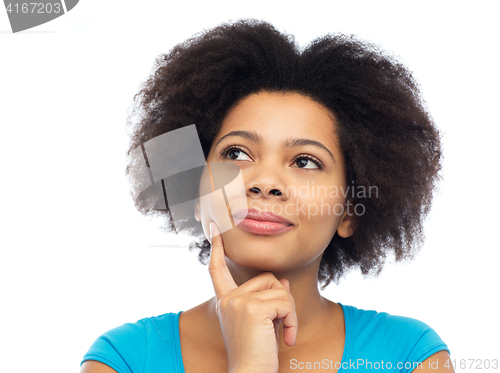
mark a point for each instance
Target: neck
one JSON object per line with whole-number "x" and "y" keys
{"x": 313, "y": 311}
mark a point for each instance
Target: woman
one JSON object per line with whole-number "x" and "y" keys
{"x": 339, "y": 160}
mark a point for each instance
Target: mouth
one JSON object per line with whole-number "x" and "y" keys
{"x": 262, "y": 222}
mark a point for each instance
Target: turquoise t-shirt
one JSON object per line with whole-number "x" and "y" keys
{"x": 373, "y": 341}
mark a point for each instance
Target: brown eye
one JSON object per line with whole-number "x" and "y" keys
{"x": 233, "y": 152}
{"x": 305, "y": 160}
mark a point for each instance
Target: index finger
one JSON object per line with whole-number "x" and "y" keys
{"x": 222, "y": 279}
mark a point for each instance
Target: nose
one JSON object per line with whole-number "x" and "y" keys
{"x": 276, "y": 192}
{"x": 267, "y": 183}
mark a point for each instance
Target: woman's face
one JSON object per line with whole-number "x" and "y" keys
{"x": 285, "y": 142}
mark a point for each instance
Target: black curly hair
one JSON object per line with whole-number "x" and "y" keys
{"x": 387, "y": 137}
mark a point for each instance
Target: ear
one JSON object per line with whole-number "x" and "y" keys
{"x": 349, "y": 221}
{"x": 197, "y": 213}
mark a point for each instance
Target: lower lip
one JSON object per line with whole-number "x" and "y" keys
{"x": 263, "y": 227}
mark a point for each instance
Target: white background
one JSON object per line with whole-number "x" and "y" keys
{"x": 77, "y": 259}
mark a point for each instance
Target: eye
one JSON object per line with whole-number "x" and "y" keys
{"x": 305, "y": 159}
{"x": 233, "y": 152}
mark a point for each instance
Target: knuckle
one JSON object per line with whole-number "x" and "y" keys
{"x": 284, "y": 294}
{"x": 288, "y": 304}
{"x": 244, "y": 306}
{"x": 224, "y": 303}
{"x": 270, "y": 275}
{"x": 234, "y": 303}
{"x": 252, "y": 307}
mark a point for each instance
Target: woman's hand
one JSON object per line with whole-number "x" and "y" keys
{"x": 250, "y": 315}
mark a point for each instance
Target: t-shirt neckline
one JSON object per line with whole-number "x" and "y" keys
{"x": 345, "y": 353}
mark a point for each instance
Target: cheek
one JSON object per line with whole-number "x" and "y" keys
{"x": 219, "y": 205}
{"x": 321, "y": 215}
{"x": 321, "y": 205}
{"x": 213, "y": 207}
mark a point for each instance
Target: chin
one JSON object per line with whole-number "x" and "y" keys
{"x": 260, "y": 260}
{"x": 260, "y": 267}
{"x": 261, "y": 253}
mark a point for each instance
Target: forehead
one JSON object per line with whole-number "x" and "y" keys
{"x": 277, "y": 116}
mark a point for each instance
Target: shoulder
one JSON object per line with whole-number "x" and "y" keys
{"x": 398, "y": 338}
{"x": 125, "y": 348}
{"x": 391, "y": 327}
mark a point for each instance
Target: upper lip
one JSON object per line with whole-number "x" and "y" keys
{"x": 261, "y": 216}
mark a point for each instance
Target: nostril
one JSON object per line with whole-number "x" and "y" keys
{"x": 276, "y": 192}
{"x": 256, "y": 190}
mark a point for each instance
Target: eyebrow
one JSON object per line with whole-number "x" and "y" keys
{"x": 288, "y": 143}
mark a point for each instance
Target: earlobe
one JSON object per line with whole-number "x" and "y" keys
{"x": 348, "y": 223}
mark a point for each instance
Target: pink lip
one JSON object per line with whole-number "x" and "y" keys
{"x": 262, "y": 222}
